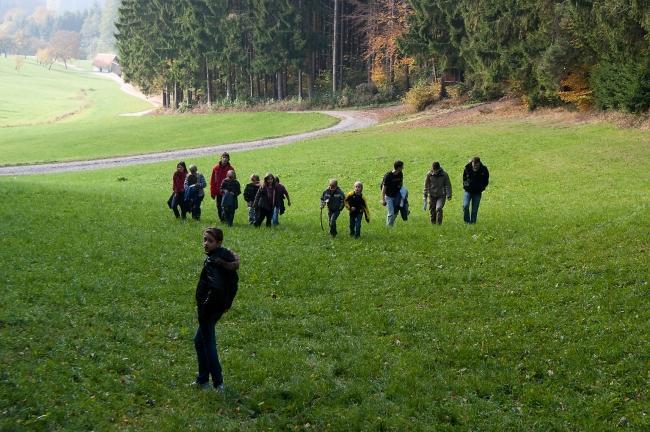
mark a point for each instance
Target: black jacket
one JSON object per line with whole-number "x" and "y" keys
{"x": 249, "y": 192}
{"x": 217, "y": 286}
{"x": 333, "y": 199}
{"x": 475, "y": 181}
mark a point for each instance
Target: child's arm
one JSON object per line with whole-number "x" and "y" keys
{"x": 366, "y": 212}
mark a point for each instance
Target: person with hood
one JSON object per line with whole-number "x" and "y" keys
{"x": 476, "y": 178}
{"x": 437, "y": 188}
{"x": 218, "y": 175}
{"x": 265, "y": 200}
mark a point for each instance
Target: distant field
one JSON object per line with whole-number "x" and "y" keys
{"x": 36, "y": 95}
{"x": 59, "y": 115}
{"x": 535, "y": 319}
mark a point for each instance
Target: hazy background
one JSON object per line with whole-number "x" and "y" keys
{"x": 87, "y": 27}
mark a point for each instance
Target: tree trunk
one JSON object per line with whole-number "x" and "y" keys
{"x": 189, "y": 97}
{"x": 334, "y": 45}
{"x": 299, "y": 84}
{"x": 408, "y": 78}
{"x": 229, "y": 83}
{"x": 433, "y": 65}
{"x": 208, "y": 90}
{"x": 266, "y": 85}
{"x": 278, "y": 85}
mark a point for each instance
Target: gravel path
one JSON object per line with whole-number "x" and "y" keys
{"x": 349, "y": 120}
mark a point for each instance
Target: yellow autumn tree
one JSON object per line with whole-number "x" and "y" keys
{"x": 575, "y": 89}
{"x": 384, "y": 21}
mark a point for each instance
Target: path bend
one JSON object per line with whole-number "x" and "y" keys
{"x": 349, "y": 120}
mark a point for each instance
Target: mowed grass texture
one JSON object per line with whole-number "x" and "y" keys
{"x": 534, "y": 319}
{"x": 53, "y": 115}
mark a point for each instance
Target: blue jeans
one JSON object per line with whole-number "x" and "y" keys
{"x": 178, "y": 202}
{"x": 475, "y": 199}
{"x": 205, "y": 343}
{"x": 276, "y": 216}
{"x": 251, "y": 215}
{"x": 332, "y": 215}
{"x": 355, "y": 224}
{"x": 391, "y": 204}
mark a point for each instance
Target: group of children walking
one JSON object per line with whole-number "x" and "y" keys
{"x": 265, "y": 198}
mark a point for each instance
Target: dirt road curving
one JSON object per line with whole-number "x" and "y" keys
{"x": 349, "y": 120}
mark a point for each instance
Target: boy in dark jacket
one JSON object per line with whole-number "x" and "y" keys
{"x": 356, "y": 204}
{"x": 475, "y": 179}
{"x": 332, "y": 197}
{"x": 249, "y": 196}
{"x": 215, "y": 292}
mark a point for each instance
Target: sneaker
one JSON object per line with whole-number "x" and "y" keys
{"x": 200, "y": 386}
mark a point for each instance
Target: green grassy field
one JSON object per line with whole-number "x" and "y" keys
{"x": 49, "y": 116}
{"x": 534, "y": 319}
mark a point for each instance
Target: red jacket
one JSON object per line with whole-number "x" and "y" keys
{"x": 178, "y": 182}
{"x": 218, "y": 174}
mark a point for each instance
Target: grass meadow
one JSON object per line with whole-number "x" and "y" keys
{"x": 62, "y": 115}
{"x": 535, "y": 319}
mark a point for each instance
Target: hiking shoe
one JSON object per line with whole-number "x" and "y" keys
{"x": 200, "y": 386}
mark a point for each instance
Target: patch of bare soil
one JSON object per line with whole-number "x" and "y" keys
{"x": 448, "y": 114}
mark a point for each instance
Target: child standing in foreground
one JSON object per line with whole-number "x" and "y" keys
{"x": 356, "y": 204}
{"x": 249, "y": 196}
{"x": 215, "y": 292}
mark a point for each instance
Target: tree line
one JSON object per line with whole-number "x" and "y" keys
{"x": 253, "y": 49}
{"x": 585, "y": 52}
{"x": 579, "y": 51}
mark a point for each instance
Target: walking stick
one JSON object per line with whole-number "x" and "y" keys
{"x": 321, "y": 218}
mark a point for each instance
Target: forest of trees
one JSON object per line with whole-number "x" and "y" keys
{"x": 585, "y": 52}
{"x": 579, "y": 51}
{"x": 257, "y": 49}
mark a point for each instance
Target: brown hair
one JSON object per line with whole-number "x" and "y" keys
{"x": 216, "y": 233}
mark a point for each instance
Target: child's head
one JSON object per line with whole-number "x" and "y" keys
{"x": 358, "y": 187}
{"x": 212, "y": 239}
{"x": 231, "y": 175}
{"x": 193, "y": 169}
{"x": 333, "y": 184}
{"x": 255, "y": 178}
